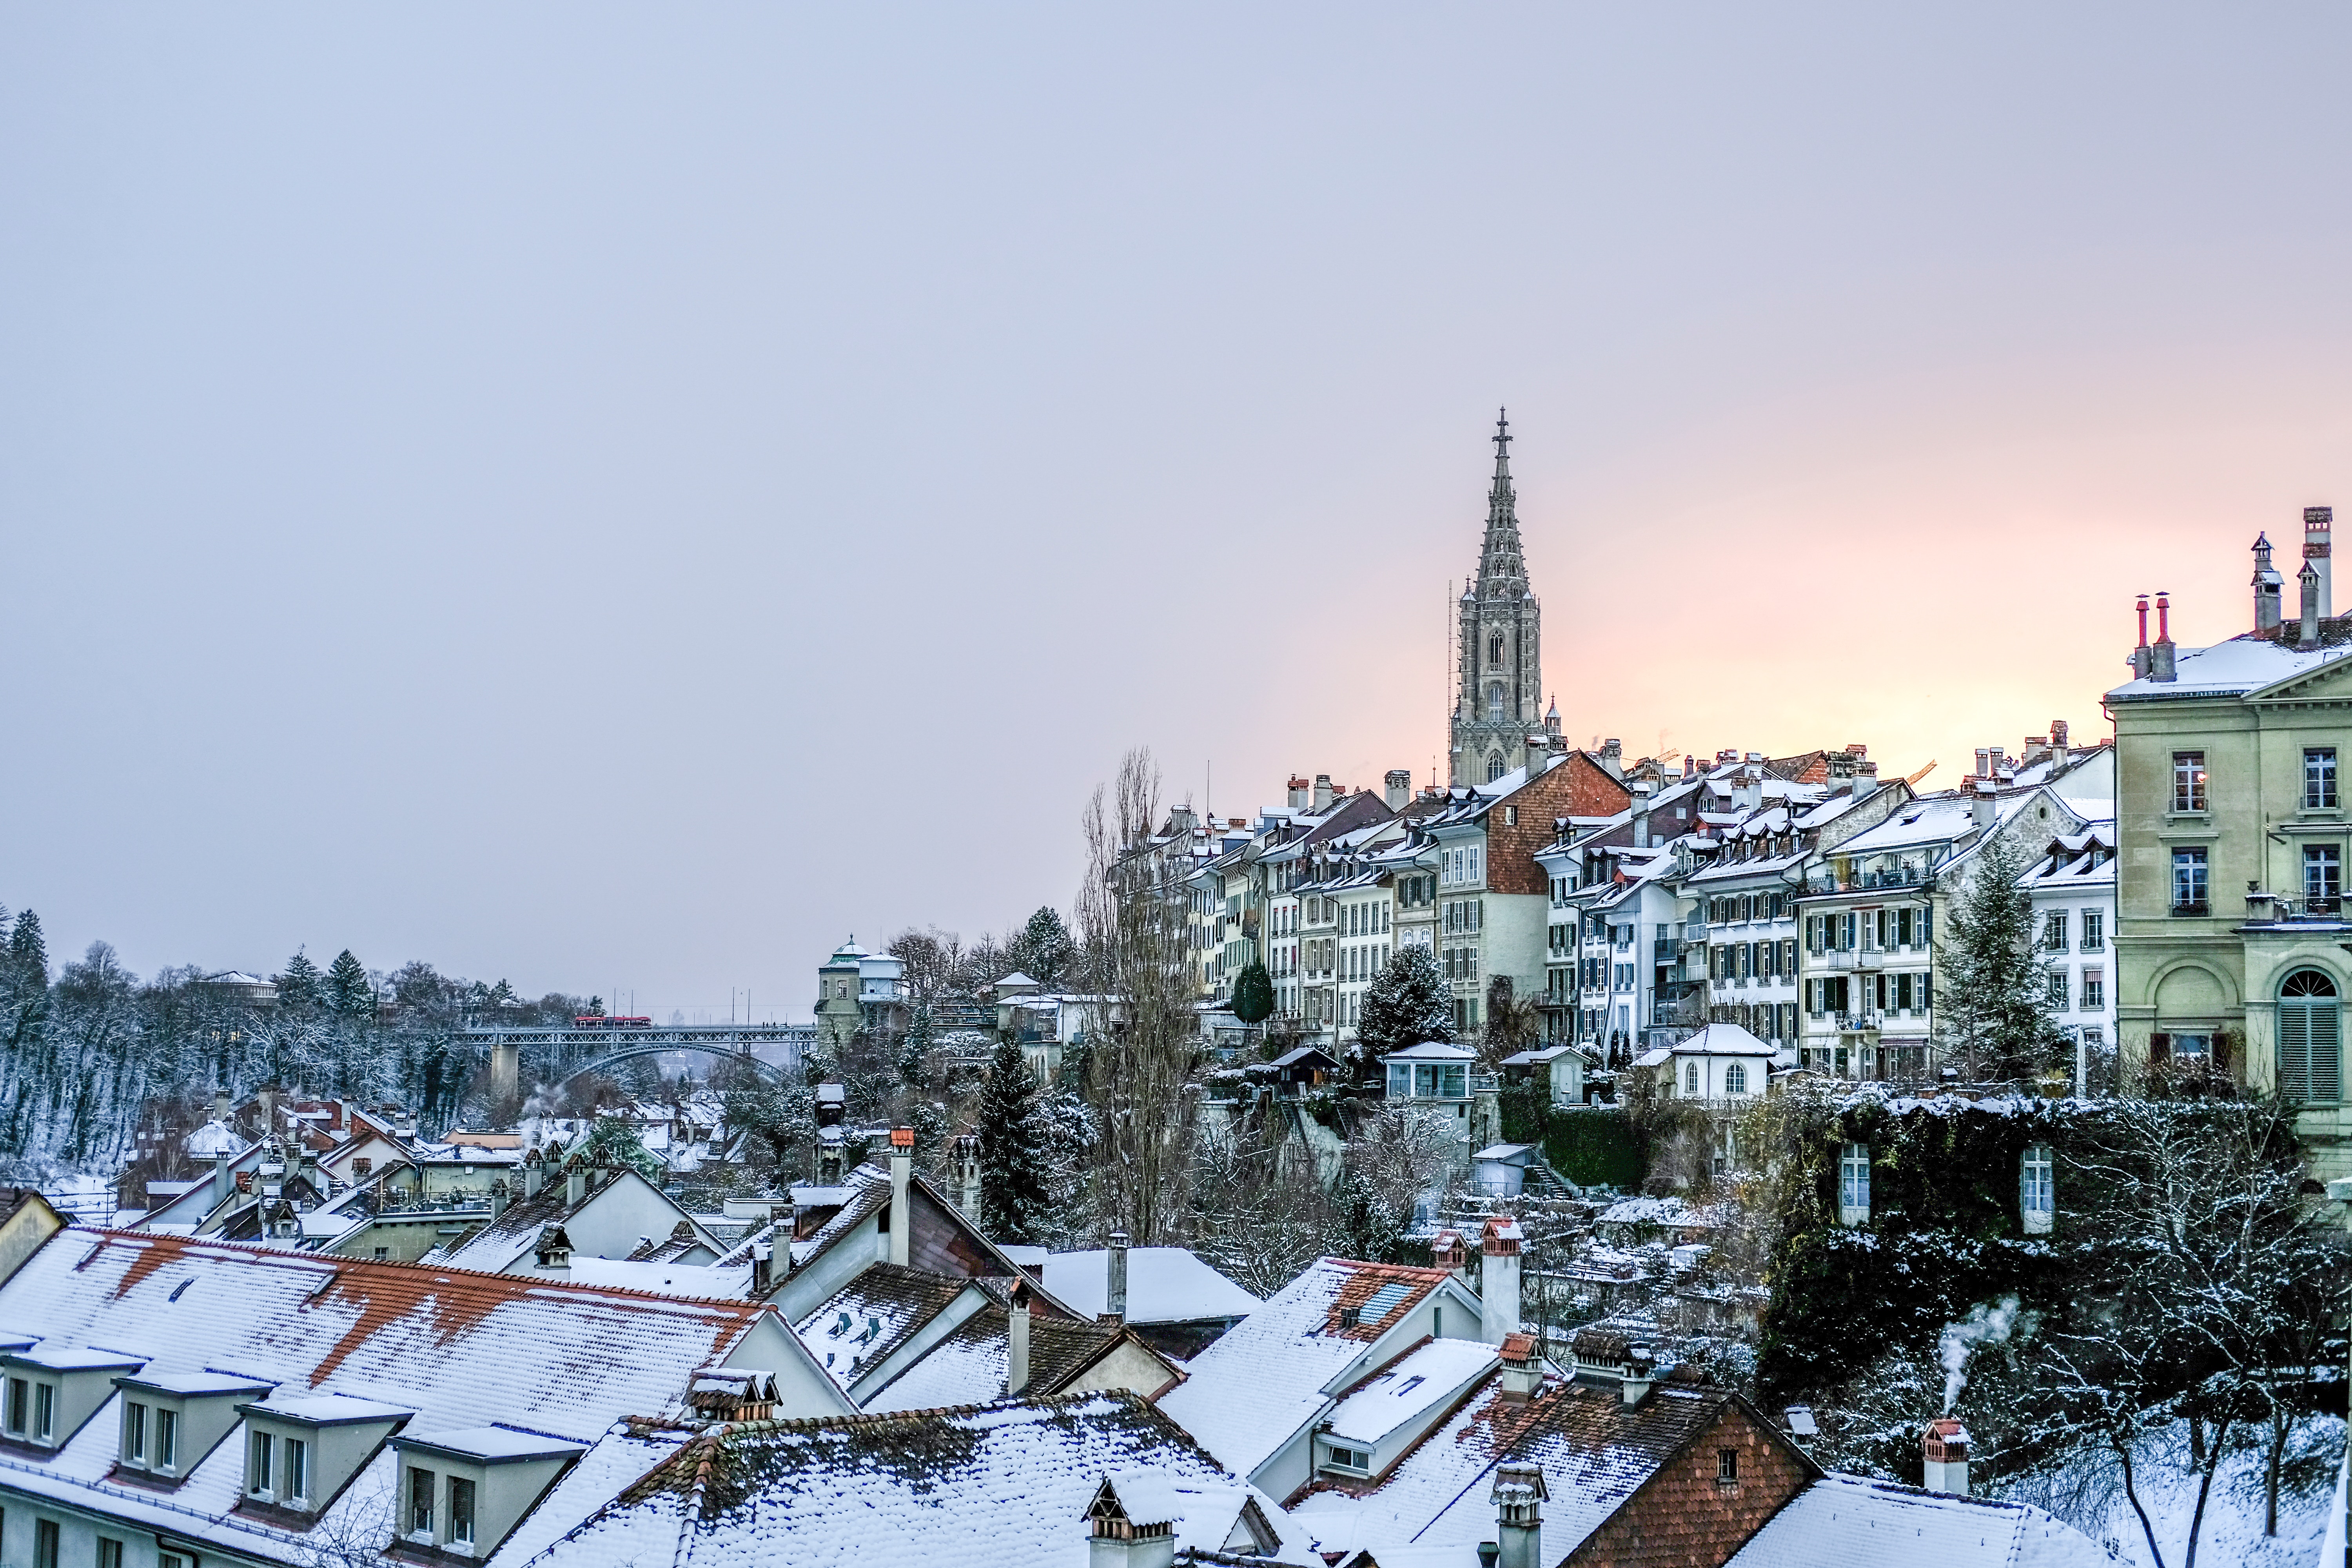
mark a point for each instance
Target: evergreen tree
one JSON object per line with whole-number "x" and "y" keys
{"x": 301, "y": 985}
{"x": 28, "y": 951}
{"x": 1406, "y": 1004}
{"x": 348, "y": 991}
{"x": 1995, "y": 1003}
{"x": 1045, "y": 948}
{"x": 1253, "y": 995}
{"x": 1016, "y": 1162}
{"x": 915, "y": 1050}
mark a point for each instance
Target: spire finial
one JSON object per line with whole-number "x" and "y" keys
{"x": 1502, "y": 439}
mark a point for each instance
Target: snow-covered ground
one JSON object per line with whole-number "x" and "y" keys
{"x": 2092, "y": 1498}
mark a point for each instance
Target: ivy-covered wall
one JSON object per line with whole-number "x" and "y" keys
{"x": 1945, "y": 1233}
{"x": 1591, "y": 1146}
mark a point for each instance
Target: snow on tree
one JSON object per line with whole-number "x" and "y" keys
{"x": 28, "y": 954}
{"x": 348, "y": 992}
{"x": 301, "y": 985}
{"x": 1016, "y": 1158}
{"x": 1994, "y": 1002}
{"x": 1407, "y": 1003}
{"x": 1253, "y": 995}
{"x": 1045, "y": 948}
{"x": 915, "y": 1049}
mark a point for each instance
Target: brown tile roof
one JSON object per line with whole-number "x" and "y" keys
{"x": 1365, "y": 1282}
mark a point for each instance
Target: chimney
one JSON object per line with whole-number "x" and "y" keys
{"x": 1613, "y": 757}
{"x": 221, "y": 1106}
{"x": 2309, "y": 582}
{"x": 2163, "y": 651}
{"x": 222, "y": 1182}
{"x": 1499, "y": 1280}
{"x": 1322, "y": 791}
{"x": 1519, "y": 1496}
{"x": 498, "y": 1197}
{"x": 534, "y": 1173}
{"x": 1114, "y": 1292}
{"x": 1449, "y": 1252}
{"x": 967, "y": 1158}
{"x": 828, "y": 1151}
{"x": 1016, "y": 1342}
{"x": 1299, "y": 793}
{"x": 2142, "y": 659}
{"x": 902, "y": 1175}
{"x": 1946, "y": 1450}
{"x": 1539, "y": 749}
{"x": 763, "y": 1268}
{"x": 1641, "y": 809}
{"x": 2268, "y": 587}
{"x": 2058, "y": 739}
{"x": 1397, "y": 788}
{"x": 2317, "y": 521}
{"x": 1690, "y": 766}
{"x": 1984, "y": 805}
{"x": 575, "y": 1184}
{"x": 1522, "y": 1370}
{"x": 554, "y": 1250}
{"x": 1641, "y": 1374}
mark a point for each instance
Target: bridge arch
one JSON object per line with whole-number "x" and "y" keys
{"x": 775, "y": 1074}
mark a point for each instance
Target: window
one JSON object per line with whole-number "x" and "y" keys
{"x": 134, "y": 1431}
{"x": 45, "y": 1410}
{"x": 2036, "y": 1199}
{"x": 1690, "y": 1078}
{"x": 257, "y": 1466}
{"x": 420, "y": 1503}
{"x": 1727, "y": 1464}
{"x": 461, "y": 1510}
{"x": 1735, "y": 1080}
{"x": 110, "y": 1552}
{"x": 2189, "y": 881}
{"x": 1494, "y": 648}
{"x": 2053, "y": 931}
{"x": 362, "y": 1167}
{"x": 1495, "y": 768}
{"x": 2322, "y": 873}
{"x": 2053, "y": 989}
{"x": 2095, "y": 930}
{"x": 1853, "y": 1184}
{"x": 167, "y": 1439}
{"x": 298, "y": 1470}
{"x": 2319, "y": 778}
{"x": 2187, "y": 781}
{"x": 2095, "y": 990}
{"x": 19, "y": 1392}
{"x": 2311, "y": 1043}
{"x": 171, "y": 1560}
{"x": 1359, "y": 1460}
{"x": 45, "y": 1543}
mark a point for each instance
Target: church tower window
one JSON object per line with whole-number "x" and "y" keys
{"x": 1495, "y": 768}
{"x": 1493, "y": 648}
{"x": 1494, "y": 703}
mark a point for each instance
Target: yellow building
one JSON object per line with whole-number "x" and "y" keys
{"x": 2231, "y": 939}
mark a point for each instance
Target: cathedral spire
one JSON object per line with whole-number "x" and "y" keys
{"x": 1499, "y": 685}
{"x": 1502, "y": 573}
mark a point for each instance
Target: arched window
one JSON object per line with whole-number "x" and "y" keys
{"x": 1494, "y": 703}
{"x": 1493, "y": 648}
{"x": 1735, "y": 1080}
{"x": 1495, "y": 768}
{"x": 1690, "y": 1078}
{"x": 1854, "y": 1185}
{"x": 2311, "y": 1038}
{"x": 2037, "y": 1199}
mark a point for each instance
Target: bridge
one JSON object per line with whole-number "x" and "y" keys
{"x": 559, "y": 1045}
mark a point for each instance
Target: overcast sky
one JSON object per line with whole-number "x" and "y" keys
{"x": 623, "y": 497}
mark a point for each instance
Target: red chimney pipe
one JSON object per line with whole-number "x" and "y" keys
{"x": 2163, "y": 616}
{"x": 2143, "y": 620}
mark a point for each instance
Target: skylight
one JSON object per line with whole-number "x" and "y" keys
{"x": 1384, "y": 1301}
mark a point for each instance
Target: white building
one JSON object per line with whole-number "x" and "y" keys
{"x": 2073, "y": 889}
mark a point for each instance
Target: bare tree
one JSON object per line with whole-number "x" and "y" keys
{"x": 1134, "y": 935}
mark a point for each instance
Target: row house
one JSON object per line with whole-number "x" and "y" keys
{"x": 2074, "y": 892}
{"x": 1258, "y": 894}
{"x": 1874, "y": 906}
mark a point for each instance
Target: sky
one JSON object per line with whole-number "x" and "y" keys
{"x": 620, "y": 498}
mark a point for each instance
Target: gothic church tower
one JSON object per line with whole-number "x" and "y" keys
{"x": 1499, "y": 690}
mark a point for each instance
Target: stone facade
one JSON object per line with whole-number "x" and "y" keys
{"x": 1498, "y": 694}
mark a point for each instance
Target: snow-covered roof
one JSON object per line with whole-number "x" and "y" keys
{"x": 1164, "y": 1285}
{"x": 706, "y": 1282}
{"x": 1711, "y": 1040}
{"x": 967, "y": 1367}
{"x": 1409, "y": 1388}
{"x": 1249, "y": 1393}
{"x": 1008, "y": 1482}
{"x": 1432, "y": 1051}
{"x": 859, "y": 1325}
{"x": 212, "y": 1140}
{"x": 1847, "y": 1522}
{"x": 2243, "y": 664}
{"x": 1670, "y": 1212}
{"x": 1509, "y": 1153}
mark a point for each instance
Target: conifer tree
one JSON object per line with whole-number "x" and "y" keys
{"x": 1995, "y": 1001}
{"x": 1045, "y": 947}
{"x": 1014, "y": 1159}
{"x": 1406, "y": 1004}
{"x": 301, "y": 985}
{"x": 348, "y": 991}
{"x": 915, "y": 1050}
{"x": 1253, "y": 995}
{"x": 26, "y": 949}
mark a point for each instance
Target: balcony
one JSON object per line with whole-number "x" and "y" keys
{"x": 2267, "y": 908}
